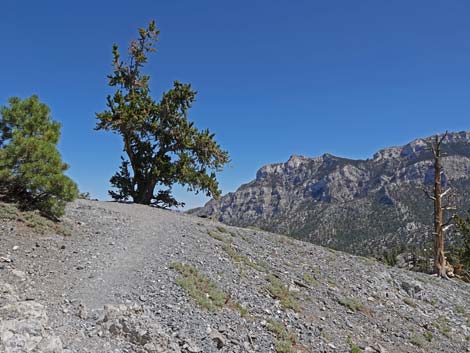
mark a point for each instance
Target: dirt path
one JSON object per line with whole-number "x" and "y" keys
{"x": 119, "y": 255}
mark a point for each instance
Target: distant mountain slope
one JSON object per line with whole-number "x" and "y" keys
{"x": 360, "y": 206}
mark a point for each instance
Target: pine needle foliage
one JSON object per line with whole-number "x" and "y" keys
{"x": 163, "y": 147}
{"x": 31, "y": 168}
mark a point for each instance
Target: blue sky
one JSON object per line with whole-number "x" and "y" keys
{"x": 275, "y": 78}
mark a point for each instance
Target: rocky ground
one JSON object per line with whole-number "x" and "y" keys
{"x": 132, "y": 278}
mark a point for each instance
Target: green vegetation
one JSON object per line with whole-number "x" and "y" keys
{"x": 283, "y": 346}
{"x": 354, "y": 348}
{"x": 409, "y": 302}
{"x": 240, "y": 259}
{"x": 428, "y": 336}
{"x": 281, "y": 292}
{"x": 460, "y": 253}
{"x": 199, "y": 287}
{"x": 241, "y": 309}
{"x": 277, "y": 328}
{"x": 31, "y": 219}
{"x": 309, "y": 279}
{"x": 285, "y": 339}
{"x": 221, "y": 229}
{"x": 442, "y": 325}
{"x": 163, "y": 147}
{"x": 31, "y": 168}
{"x": 216, "y": 235}
{"x": 417, "y": 340}
{"x": 460, "y": 309}
{"x": 352, "y": 304}
{"x": 418, "y": 255}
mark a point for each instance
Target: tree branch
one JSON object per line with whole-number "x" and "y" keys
{"x": 445, "y": 192}
{"x": 426, "y": 192}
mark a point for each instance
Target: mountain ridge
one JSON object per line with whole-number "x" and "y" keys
{"x": 349, "y": 204}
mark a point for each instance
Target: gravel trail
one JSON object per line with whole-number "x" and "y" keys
{"x": 109, "y": 287}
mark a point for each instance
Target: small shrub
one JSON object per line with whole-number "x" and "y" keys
{"x": 428, "y": 336}
{"x": 221, "y": 229}
{"x": 279, "y": 291}
{"x": 442, "y": 325}
{"x": 264, "y": 265}
{"x": 241, "y": 309}
{"x": 351, "y": 303}
{"x": 216, "y": 235}
{"x": 199, "y": 287}
{"x": 309, "y": 279}
{"x": 240, "y": 259}
{"x": 354, "y": 348}
{"x": 409, "y": 302}
{"x": 283, "y": 346}
{"x": 31, "y": 219}
{"x": 285, "y": 339}
{"x": 277, "y": 328}
{"x": 417, "y": 341}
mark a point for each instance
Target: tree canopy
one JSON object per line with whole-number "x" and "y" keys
{"x": 31, "y": 168}
{"x": 163, "y": 147}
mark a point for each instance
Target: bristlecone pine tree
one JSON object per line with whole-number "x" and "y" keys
{"x": 163, "y": 148}
{"x": 440, "y": 225}
{"x": 31, "y": 168}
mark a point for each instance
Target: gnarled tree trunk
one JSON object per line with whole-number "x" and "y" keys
{"x": 439, "y": 258}
{"x": 440, "y": 226}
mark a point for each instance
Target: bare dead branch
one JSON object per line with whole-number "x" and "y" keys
{"x": 445, "y": 192}
{"x": 444, "y": 228}
{"x": 426, "y": 192}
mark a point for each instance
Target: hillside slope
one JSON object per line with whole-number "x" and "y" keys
{"x": 359, "y": 206}
{"x": 121, "y": 282}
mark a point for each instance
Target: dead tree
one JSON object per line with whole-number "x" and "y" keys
{"x": 440, "y": 226}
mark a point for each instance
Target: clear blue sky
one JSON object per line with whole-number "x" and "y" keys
{"x": 275, "y": 78}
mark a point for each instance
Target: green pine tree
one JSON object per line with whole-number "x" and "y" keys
{"x": 31, "y": 168}
{"x": 463, "y": 250}
{"x": 163, "y": 147}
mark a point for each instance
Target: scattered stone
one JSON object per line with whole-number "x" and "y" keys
{"x": 218, "y": 339}
{"x": 50, "y": 344}
{"x": 82, "y": 311}
{"x": 20, "y": 274}
{"x": 142, "y": 298}
{"x": 250, "y": 320}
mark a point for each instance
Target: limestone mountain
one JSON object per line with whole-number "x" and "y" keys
{"x": 360, "y": 206}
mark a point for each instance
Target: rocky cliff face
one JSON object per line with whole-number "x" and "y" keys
{"x": 361, "y": 206}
